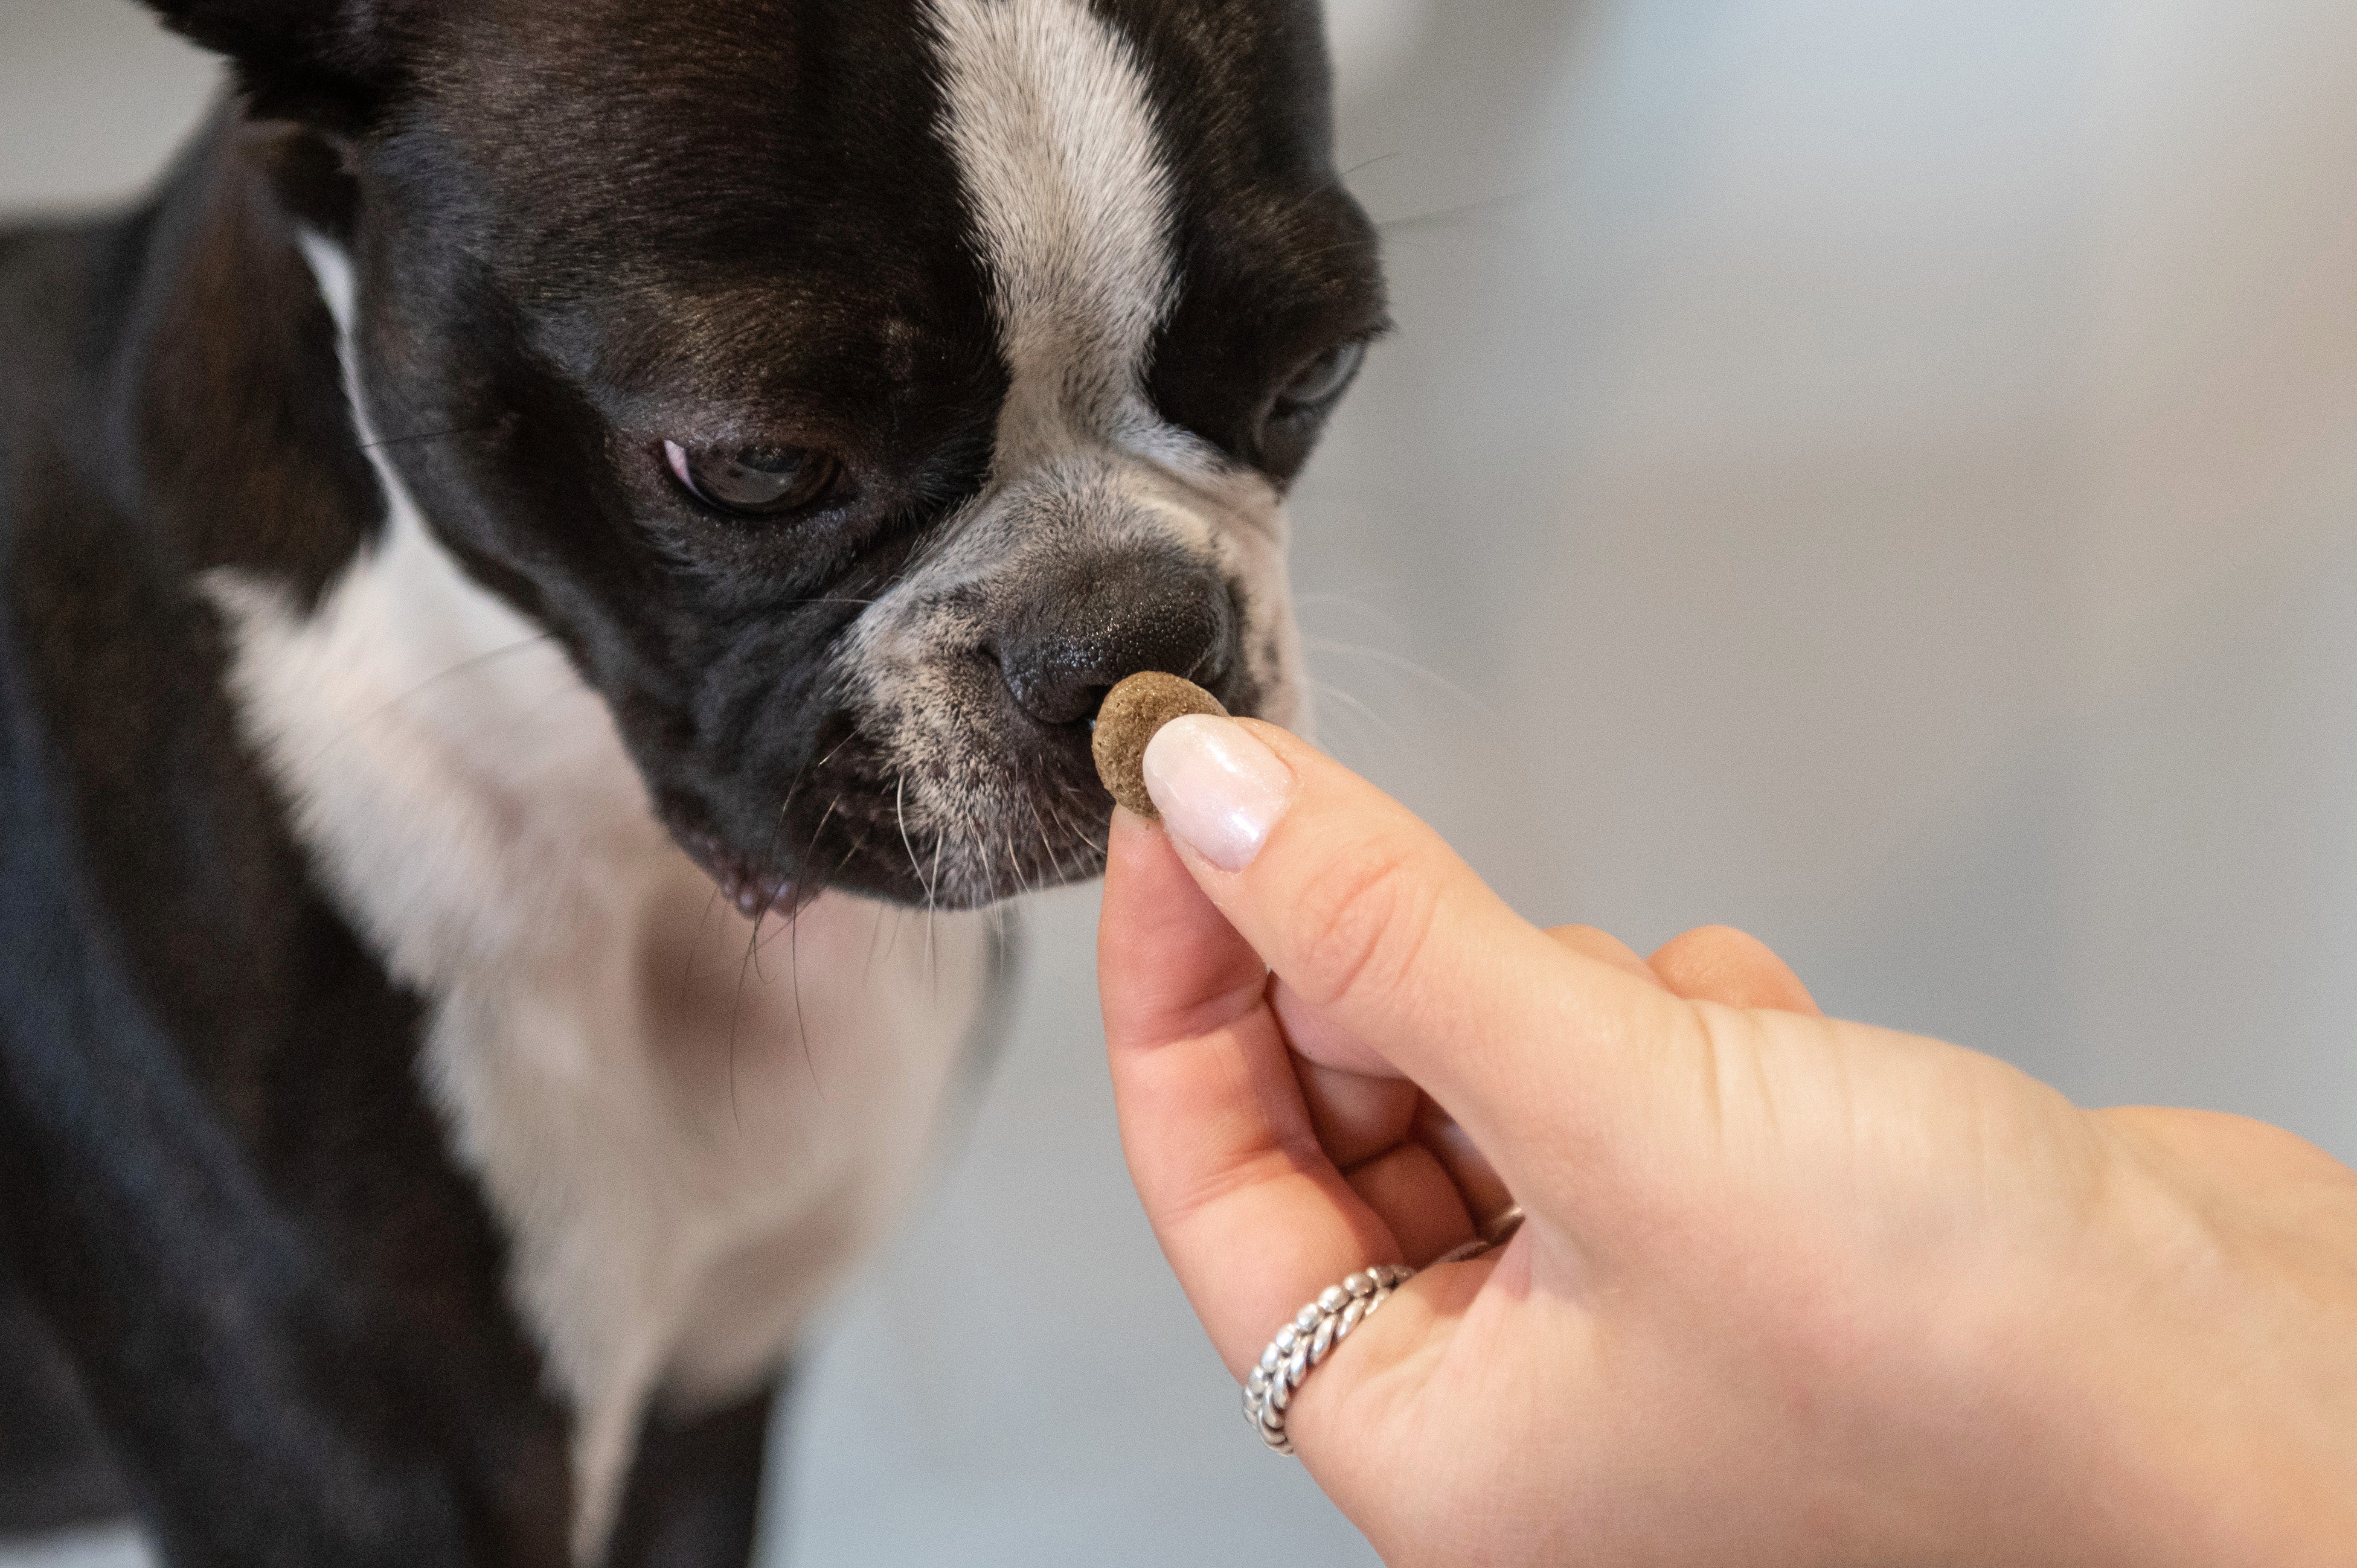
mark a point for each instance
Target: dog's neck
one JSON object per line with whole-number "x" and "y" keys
{"x": 462, "y": 789}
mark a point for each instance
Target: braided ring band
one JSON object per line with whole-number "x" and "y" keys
{"x": 1304, "y": 1342}
{"x": 1325, "y": 1323}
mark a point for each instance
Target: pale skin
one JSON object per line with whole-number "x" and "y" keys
{"x": 1791, "y": 1291}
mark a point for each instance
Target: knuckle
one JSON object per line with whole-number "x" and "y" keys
{"x": 1708, "y": 953}
{"x": 1714, "y": 940}
{"x": 1364, "y": 918}
{"x": 1204, "y": 1192}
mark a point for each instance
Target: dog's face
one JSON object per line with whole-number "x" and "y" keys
{"x": 858, "y": 387}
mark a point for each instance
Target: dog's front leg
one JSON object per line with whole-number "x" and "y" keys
{"x": 223, "y": 1369}
{"x": 695, "y": 1489}
{"x": 261, "y": 1418}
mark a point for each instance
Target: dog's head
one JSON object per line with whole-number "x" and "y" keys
{"x": 856, "y": 388}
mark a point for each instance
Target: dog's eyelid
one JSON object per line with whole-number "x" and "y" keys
{"x": 755, "y": 481}
{"x": 1318, "y": 383}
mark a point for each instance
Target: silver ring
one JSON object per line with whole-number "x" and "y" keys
{"x": 1325, "y": 1323}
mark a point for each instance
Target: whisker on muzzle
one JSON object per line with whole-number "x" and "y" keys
{"x": 932, "y": 884}
{"x": 1046, "y": 845}
{"x": 1383, "y": 656}
{"x": 794, "y": 944}
{"x": 1322, "y": 688}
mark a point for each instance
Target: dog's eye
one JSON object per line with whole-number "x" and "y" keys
{"x": 1322, "y": 380}
{"x": 754, "y": 482}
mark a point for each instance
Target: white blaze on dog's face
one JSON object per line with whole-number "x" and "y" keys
{"x": 1106, "y": 539}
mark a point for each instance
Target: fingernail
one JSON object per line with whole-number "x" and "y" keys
{"x": 1219, "y": 789}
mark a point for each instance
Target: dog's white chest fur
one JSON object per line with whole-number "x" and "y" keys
{"x": 687, "y": 1150}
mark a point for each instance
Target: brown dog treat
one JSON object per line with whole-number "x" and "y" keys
{"x": 1133, "y": 713}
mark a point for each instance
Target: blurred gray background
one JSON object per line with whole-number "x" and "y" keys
{"x": 1880, "y": 474}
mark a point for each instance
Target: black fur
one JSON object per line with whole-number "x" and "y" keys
{"x": 244, "y": 1289}
{"x": 54, "y": 1468}
{"x": 224, "y": 1192}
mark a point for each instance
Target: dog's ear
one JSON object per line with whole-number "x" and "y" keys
{"x": 326, "y": 63}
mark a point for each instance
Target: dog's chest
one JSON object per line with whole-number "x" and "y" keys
{"x": 688, "y": 1133}
{"x": 687, "y": 1169}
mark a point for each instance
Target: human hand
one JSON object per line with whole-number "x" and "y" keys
{"x": 1791, "y": 1290}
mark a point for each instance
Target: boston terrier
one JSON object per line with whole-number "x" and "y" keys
{"x": 548, "y": 579}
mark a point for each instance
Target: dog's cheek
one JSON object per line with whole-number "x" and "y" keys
{"x": 916, "y": 702}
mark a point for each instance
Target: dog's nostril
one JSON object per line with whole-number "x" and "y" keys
{"x": 1084, "y": 632}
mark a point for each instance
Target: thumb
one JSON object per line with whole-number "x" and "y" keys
{"x": 1365, "y": 914}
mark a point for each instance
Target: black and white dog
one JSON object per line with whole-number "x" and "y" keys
{"x": 532, "y": 461}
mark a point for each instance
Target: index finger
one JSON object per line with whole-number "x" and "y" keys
{"x": 1548, "y": 1057}
{"x": 1251, "y": 1213}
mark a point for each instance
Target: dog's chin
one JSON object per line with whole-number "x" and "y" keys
{"x": 738, "y": 875}
{"x": 863, "y": 850}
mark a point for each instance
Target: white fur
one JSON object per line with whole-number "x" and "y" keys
{"x": 1069, "y": 183}
{"x": 683, "y": 1167}
{"x": 1064, "y": 175}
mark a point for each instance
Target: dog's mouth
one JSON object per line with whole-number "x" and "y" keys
{"x": 933, "y": 874}
{"x": 755, "y": 892}
{"x": 1035, "y": 826}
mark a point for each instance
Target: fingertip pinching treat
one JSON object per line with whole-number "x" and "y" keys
{"x": 1134, "y": 712}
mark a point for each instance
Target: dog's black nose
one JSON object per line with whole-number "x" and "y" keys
{"x": 1096, "y": 623}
